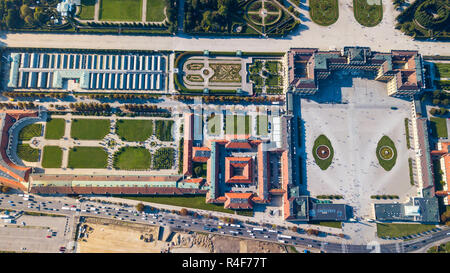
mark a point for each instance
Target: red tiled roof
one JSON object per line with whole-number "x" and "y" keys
{"x": 115, "y": 190}
{"x": 238, "y": 145}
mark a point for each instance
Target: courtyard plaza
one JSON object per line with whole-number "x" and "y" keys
{"x": 354, "y": 126}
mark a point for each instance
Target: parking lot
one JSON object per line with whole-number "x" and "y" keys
{"x": 42, "y": 234}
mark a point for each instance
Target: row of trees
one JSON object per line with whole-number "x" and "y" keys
{"x": 330, "y": 197}
{"x": 238, "y": 99}
{"x": 34, "y": 95}
{"x": 89, "y": 107}
{"x": 209, "y": 15}
{"x": 143, "y": 108}
{"x": 20, "y": 105}
{"x": 126, "y": 24}
{"x": 384, "y": 196}
{"x": 121, "y": 96}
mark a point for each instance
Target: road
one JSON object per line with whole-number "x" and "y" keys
{"x": 72, "y": 207}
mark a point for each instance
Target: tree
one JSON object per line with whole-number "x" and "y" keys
{"x": 12, "y": 19}
{"x": 140, "y": 207}
{"x": 184, "y": 212}
{"x": 4, "y": 189}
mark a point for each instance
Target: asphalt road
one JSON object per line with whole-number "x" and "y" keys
{"x": 71, "y": 207}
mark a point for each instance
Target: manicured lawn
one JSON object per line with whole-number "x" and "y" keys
{"x": 247, "y": 125}
{"x": 90, "y": 129}
{"x": 132, "y": 158}
{"x": 87, "y": 157}
{"x": 439, "y": 127}
{"x": 155, "y": 10}
{"x": 87, "y": 10}
{"x": 261, "y": 125}
{"x": 328, "y": 224}
{"x": 52, "y": 157}
{"x": 400, "y": 230}
{"x": 30, "y": 131}
{"x": 324, "y": 12}
{"x": 195, "y": 202}
{"x": 163, "y": 158}
{"x": 367, "y": 15}
{"x": 120, "y": 10}
{"x": 163, "y": 130}
{"x": 134, "y": 130}
{"x": 323, "y": 163}
{"x": 54, "y": 129}
{"x": 442, "y": 70}
{"x": 386, "y": 164}
{"x": 25, "y": 152}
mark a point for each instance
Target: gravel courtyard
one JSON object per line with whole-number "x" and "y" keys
{"x": 354, "y": 128}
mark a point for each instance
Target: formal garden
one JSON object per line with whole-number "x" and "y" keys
{"x": 386, "y": 153}
{"x": 323, "y": 152}
{"x": 163, "y": 130}
{"x": 225, "y": 72}
{"x": 115, "y": 17}
{"x": 132, "y": 158}
{"x": 27, "y": 153}
{"x": 324, "y": 12}
{"x": 87, "y": 157}
{"x": 134, "y": 130}
{"x": 425, "y": 19}
{"x": 163, "y": 158}
{"x": 238, "y": 17}
{"x": 52, "y": 157}
{"x": 266, "y": 74}
{"x": 368, "y": 13}
{"x": 89, "y": 129}
{"x": 54, "y": 128}
{"x": 30, "y": 131}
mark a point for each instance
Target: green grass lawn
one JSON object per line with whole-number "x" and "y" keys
{"x": 328, "y": 224}
{"x": 386, "y": 164}
{"x": 261, "y": 125}
{"x": 324, "y": 12}
{"x": 25, "y": 152}
{"x": 439, "y": 127}
{"x": 87, "y": 10}
{"x": 367, "y": 15}
{"x": 163, "y": 130}
{"x": 247, "y": 125}
{"x": 400, "y": 230}
{"x": 442, "y": 70}
{"x": 120, "y": 10}
{"x": 132, "y": 158}
{"x": 90, "y": 129}
{"x": 323, "y": 163}
{"x": 54, "y": 128}
{"x": 155, "y": 10}
{"x": 30, "y": 131}
{"x": 195, "y": 202}
{"x": 163, "y": 158}
{"x": 52, "y": 157}
{"x": 87, "y": 157}
{"x": 134, "y": 130}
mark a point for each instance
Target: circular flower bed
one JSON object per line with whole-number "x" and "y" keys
{"x": 386, "y": 153}
{"x": 323, "y": 152}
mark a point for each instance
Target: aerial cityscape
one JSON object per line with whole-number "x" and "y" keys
{"x": 224, "y": 126}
